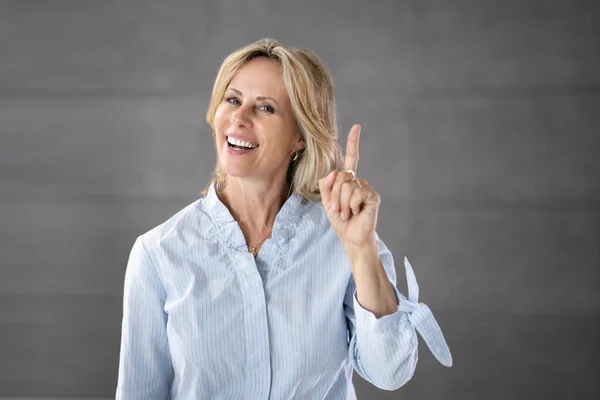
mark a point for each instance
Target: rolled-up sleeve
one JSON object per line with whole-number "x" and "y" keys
{"x": 384, "y": 350}
{"x": 145, "y": 369}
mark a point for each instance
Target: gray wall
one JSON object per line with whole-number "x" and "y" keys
{"x": 480, "y": 130}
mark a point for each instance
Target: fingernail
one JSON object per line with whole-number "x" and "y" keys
{"x": 332, "y": 206}
{"x": 344, "y": 216}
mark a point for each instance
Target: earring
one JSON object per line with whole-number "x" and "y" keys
{"x": 295, "y": 157}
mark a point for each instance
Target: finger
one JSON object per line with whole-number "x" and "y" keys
{"x": 351, "y": 159}
{"x": 325, "y": 187}
{"x": 334, "y": 201}
{"x": 348, "y": 188}
{"x": 358, "y": 198}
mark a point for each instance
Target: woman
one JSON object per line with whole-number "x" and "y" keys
{"x": 275, "y": 283}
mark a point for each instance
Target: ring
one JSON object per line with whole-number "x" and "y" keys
{"x": 351, "y": 172}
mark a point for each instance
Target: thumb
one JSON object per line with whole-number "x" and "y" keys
{"x": 326, "y": 186}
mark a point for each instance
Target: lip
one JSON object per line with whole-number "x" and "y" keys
{"x": 242, "y": 138}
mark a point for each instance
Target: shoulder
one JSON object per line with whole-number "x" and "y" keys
{"x": 313, "y": 221}
{"x": 176, "y": 228}
{"x": 311, "y": 212}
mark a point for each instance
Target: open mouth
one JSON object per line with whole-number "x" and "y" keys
{"x": 240, "y": 144}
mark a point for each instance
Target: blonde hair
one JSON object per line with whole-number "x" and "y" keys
{"x": 310, "y": 89}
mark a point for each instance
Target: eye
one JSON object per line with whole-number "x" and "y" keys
{"x": 267, "y": 108}
{"x": 232, "y": 100}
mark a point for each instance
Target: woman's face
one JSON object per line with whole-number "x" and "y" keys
{"x": 255, "y": 130}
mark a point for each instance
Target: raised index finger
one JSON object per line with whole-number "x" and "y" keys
{"x": 351, "y": 159}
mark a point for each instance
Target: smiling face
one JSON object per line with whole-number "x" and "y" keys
{"x": 255, "y": 130}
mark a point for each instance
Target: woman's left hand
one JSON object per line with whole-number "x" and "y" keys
{"x": 350, "y": 202}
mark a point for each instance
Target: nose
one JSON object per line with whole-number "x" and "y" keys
{"x": 241, "y": 117}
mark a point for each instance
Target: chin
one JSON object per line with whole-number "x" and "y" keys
{"x": 235, "y": 171}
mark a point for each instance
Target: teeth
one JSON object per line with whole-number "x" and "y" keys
{"x": 241, "y": 143}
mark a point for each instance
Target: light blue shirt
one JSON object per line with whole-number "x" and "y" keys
{"x": 202, "y": 319}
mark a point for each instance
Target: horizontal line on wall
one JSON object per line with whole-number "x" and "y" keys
{"x": 450, "y": 313}
{"x": 65, "y": 295}
{"x": 510, "y": 92}
{"x": 406, "y": 93}
{"x": 8, "y": 93}
{"x": 517, "y": 205}
{"x": 95, "y": 197}
{"x": 61, "y": 194}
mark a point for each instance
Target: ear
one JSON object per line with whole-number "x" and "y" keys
{"x": 300, "y": 143}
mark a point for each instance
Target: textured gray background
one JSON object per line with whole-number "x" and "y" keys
{"x": 480, "y": 130}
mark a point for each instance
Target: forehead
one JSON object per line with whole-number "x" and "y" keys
{"x": 260, "y": 76}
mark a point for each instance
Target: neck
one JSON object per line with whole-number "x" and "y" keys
{"x": 254, "y": 205}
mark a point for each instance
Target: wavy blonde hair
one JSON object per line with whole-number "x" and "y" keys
{"x": 310, "y": 89}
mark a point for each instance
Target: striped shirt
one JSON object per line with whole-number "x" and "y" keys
{"x": 203, "y": 319}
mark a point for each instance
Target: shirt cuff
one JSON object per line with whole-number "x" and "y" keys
{"x": 370, "y": 323}
{"x": 419, "y": 315}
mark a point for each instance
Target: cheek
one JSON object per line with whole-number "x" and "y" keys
{"x": 219, "y": 122}
{"x": 221, "y": 118}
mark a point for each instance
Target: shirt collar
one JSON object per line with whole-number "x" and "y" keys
{"x": 285, "y": 221}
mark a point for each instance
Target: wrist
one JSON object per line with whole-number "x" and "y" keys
{"x": 357, "y": 254}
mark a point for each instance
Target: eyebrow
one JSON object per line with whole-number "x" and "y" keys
{"x": 257, "y": 97}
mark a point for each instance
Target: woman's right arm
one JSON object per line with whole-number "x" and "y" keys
{"x": 145, "y": 369}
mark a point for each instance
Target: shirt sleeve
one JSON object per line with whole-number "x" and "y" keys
{"x": 384, "y": 350}
{"x": 145, "y": 369}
